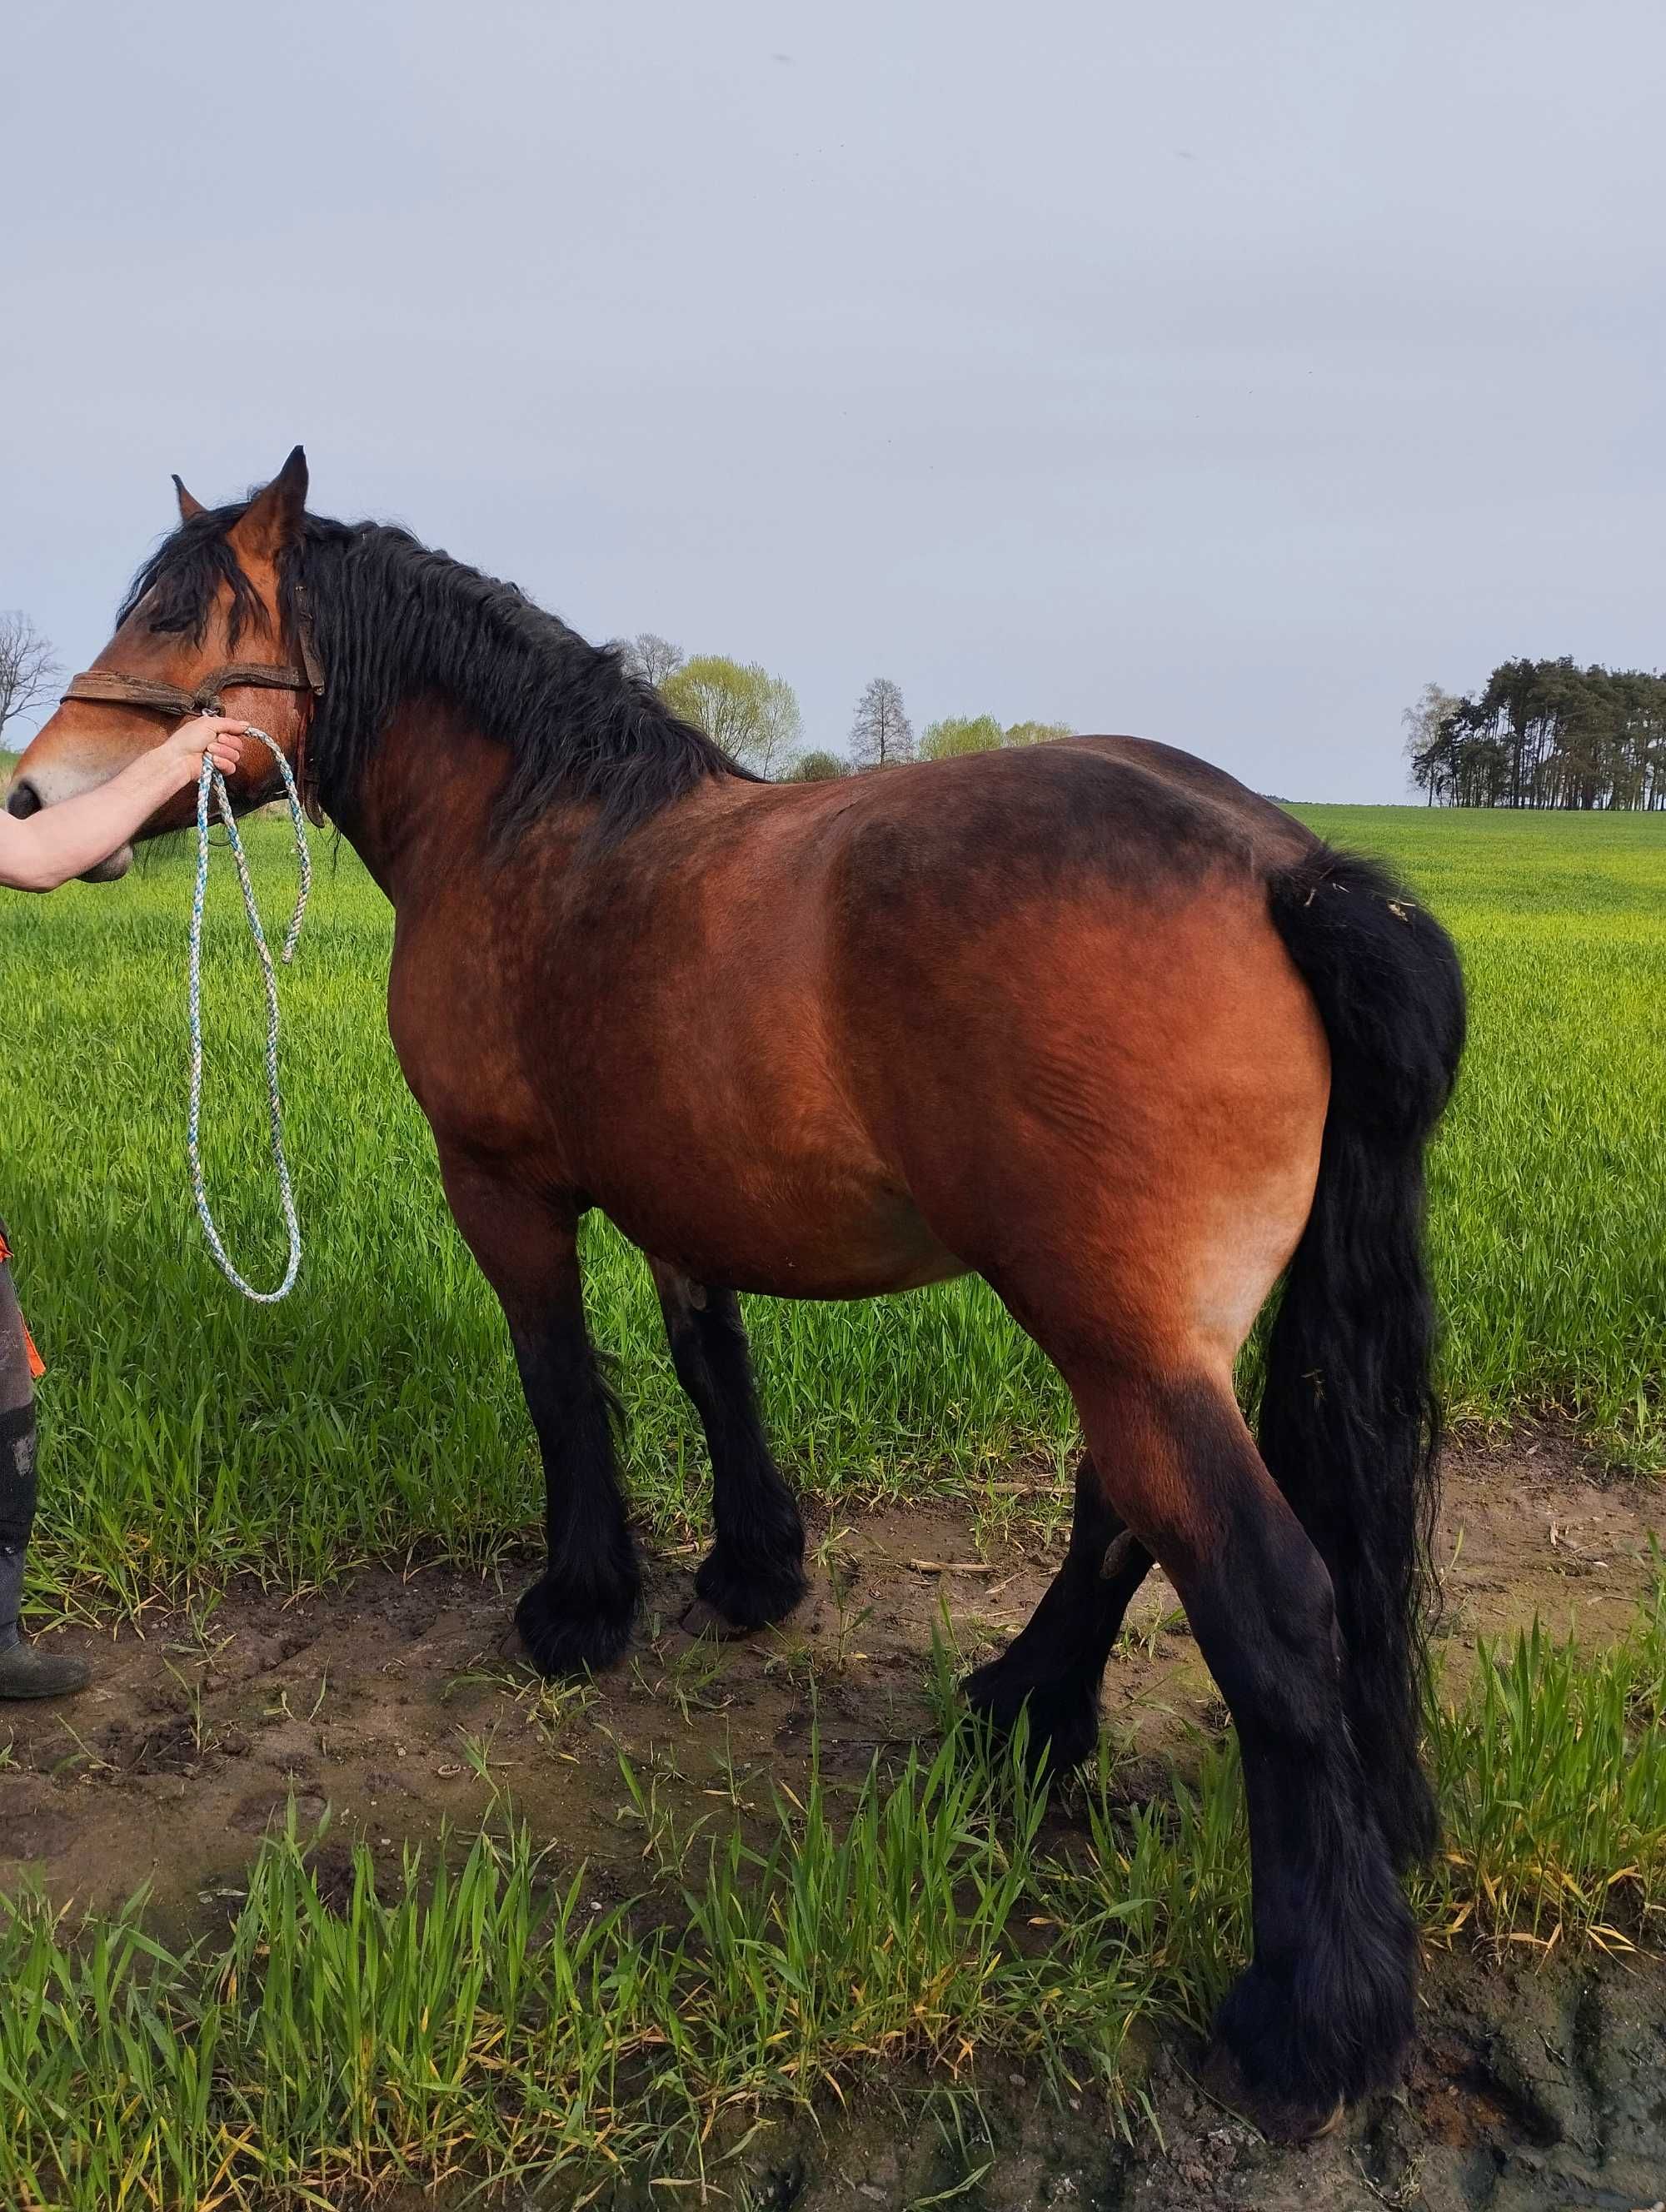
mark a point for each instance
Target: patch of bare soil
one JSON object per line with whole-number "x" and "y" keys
{"x": 1531, "y": 2090}
{"x": 402, "y": 1703}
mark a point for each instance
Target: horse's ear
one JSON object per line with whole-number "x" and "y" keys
{"x": 190, "y": 509}
{"x": 272, "y": 518}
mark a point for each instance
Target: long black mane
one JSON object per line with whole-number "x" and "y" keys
{"x": 391, "y": 620}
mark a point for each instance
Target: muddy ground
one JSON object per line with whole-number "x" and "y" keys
{"x": 402, "y": 1704}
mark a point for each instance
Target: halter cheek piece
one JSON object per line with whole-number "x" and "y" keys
{"x": 109, "y": 687}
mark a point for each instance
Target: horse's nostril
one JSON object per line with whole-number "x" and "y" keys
{"x": 24, "y": 801}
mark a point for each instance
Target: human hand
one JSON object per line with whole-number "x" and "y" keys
{"x": 204, "y": 733}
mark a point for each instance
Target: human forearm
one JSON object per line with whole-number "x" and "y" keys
{"x": 65, "y": 841}
{"x": 47, "y": 848}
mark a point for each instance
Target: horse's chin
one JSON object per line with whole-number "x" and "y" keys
{"x": 113, "y": 870}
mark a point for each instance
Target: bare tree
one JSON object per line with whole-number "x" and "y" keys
{"x": 652, "y": 658}
{"x": 881, "y": 734}
{"x": 27, "y": 668}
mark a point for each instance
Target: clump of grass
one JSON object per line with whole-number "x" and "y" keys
{"x": 473, "y": 2019}
{"x": 467, "y": 2018}
{"x": 1552, "y": 1774}
{"x": 1167, "y": 1881}
{"x": 485, "y": 2019}
{"x": 883, "y": 1937}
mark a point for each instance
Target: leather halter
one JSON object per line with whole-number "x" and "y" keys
{"x": 112, "y": 689}
{"x": 109, "y": 687}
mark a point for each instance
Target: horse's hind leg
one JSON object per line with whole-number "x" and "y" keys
{"x": 753, "y": 1575}
{"x": 1325, "y": 2010}
{"x": 1055, "y": 1667}
{"x": 579, "y": 1612}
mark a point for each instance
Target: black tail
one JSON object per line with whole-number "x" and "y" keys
{"x": 1350, "y": 1422}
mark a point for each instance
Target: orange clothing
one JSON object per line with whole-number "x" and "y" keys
{"x": 37, "y": 1364}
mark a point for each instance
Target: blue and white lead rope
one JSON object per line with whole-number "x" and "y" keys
{"x": 211, "y": 775}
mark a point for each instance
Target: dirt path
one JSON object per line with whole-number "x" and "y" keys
{"x": 403, "y": 1703}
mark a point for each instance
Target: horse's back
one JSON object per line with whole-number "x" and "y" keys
{"x": 1274, "y": 836}
{"x": 1105, "y": 813}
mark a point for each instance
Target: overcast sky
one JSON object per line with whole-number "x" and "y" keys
{"x": 1221, "y": 374}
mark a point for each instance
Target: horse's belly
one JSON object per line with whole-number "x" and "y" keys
{"x": 787, "y": 1242}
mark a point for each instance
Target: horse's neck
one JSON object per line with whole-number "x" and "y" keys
{"x": 424, "y": 801}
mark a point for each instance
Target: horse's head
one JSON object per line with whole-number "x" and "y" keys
{"x": 212, "y": 625}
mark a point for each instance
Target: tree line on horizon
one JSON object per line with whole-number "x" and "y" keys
{"x": 1543, "y": 734}
{"x": 755, "y": 717}
{"x": 1538, "y": 734}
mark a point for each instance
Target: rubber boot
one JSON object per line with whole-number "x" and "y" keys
{"x": 24, "y": 1671}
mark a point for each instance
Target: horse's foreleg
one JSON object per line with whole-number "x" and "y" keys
{"x": 754, "y": 1573}
{"x": 1053, "y": 1669}
{"x": 579, "y": 1613}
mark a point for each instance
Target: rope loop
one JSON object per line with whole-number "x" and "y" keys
{"x": 211, "y": 778}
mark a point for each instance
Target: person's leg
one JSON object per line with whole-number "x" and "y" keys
{"x": 24, "y": 1671}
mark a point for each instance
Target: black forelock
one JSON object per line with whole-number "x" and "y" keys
{"x": 391, "y": 619}
{"x": 184, "y": 576}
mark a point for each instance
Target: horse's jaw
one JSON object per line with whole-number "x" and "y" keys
{"x": 113, "y": 870}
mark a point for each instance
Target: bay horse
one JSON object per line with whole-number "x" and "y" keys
{"x": 1089, "y": 1018}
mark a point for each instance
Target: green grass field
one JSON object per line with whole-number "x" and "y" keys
{"x": 188, "y": 1435}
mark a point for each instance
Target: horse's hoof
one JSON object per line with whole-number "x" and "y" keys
{"x": 1289, "y": 2068}
{"x": 561, "y": 1640}
{"x": 1281, "y": 2119}
{"x": 744, "y": 1594}
{"x": 700, "y": 1619}
{"x": 1064, "y": 1718}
